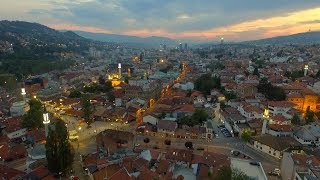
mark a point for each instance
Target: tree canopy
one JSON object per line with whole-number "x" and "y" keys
{"x": 295, "y": 120}
{"x": 34, "y": 117}
{"x": 206, "y": 83}
{"x": 198, "y": 117}
{"x": 271, "y": 92}
{"x": 293, "y": 75}
{"x": 228, "y": 173}
{"x": 246, "y": 135}
{"x": 58, "y": 149}
{"x": 309, "y": 118}
{"x": 86, "y": 109}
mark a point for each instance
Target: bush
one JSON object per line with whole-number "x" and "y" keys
{"x": 189, "y": 145}
{"x": 146, "y": 140}
{"x": 167, "y": 142}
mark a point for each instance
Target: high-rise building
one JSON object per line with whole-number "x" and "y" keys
{"x": 180, "y": 46}
{"x": 185, "y": 46}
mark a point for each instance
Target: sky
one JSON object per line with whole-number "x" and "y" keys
{"x": 202, "y": 20}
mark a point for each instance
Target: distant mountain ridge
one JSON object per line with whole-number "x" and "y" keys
{"x": 135, "y": 41}
{"x": 312, "y": 37}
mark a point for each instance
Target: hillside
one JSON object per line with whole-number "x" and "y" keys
{"x": 301, "y": 38}
{"x": 31, "y": 48}
{"x": 131, "y": 41}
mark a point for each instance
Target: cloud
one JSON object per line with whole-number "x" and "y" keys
{"x": 205, "y": 19}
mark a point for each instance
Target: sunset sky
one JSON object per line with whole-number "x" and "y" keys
{"x": 235, "y": 20}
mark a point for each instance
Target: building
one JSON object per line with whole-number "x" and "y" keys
{"x": 275, "y": 146}
{"x": 167, "y": 127}
{"x": 19, "y": 108}
{"x": 300, "y": 166}
{"x": 302, "y": 97}
{"x": 280, "y": 108}
{"x": 150, "y": 119}
{"x": 110, "y": 140}
{"x": 308, "y": 134}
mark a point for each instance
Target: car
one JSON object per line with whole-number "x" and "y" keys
{"x": 220, "y": 126}
{"x": 136, "y": 145}
{"x": 235, "y": 153}
{"x": 254, "y": 163}
{"x": 156, "y": 147}
{"x": 200, "y": 149}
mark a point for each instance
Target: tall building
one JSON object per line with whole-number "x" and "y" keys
{"x": 185, "y": 46}
{"x": 180, "y": 46}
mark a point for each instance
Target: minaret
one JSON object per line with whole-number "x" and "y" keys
{"x": 222, "y": 40}
{"x": 306, "y": 67}
{"x": 23, "y": 93}
{"x": 119, "y": 67}
{"x": 129, "y": 72}
{"x": 46, "y": 121}
{"x": 265, "y": 121}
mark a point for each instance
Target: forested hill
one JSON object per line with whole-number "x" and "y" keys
{"x": 31, "y": 48}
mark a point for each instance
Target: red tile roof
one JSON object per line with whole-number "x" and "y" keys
{"x": 8, "y": 173}
{"x": 279, "y": 118}
{"x": 280, "y": 104}
{"x": 167, "y": 125}
{"x": 282, "y": 128}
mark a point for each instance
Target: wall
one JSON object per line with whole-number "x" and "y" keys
{"x": 266, "y": 149}
{"x": 287, "y": 167}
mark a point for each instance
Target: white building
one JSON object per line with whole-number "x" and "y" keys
{"x": 16, "y": 133}
{"x": 150, "y": 119}
{"x": 274, "y": 146}
{"x": 19, "y": 108}
{"x": 308, "y": 134}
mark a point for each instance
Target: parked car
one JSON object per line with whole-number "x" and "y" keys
{"x": 235, "y": 153}
{"x": 254, "y": 163}
{"x": 200, "y": 149}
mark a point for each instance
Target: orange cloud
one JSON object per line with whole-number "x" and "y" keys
{"x": 291, "y": 23}
{"x": 75, "y": 27}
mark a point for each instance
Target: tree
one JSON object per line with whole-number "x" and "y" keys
{"x": 58, "y": 149}
{"x": 309, "y": 118}
{"x": 198, "y": 117}
{"x": 101, "y": 80}
{"x": 256, "y": 72}
{"x": 188, "y": 145}
{"x": 206, "y": 83}
{"x": 86, "y": 109}
{"x": 271, "y": 92}
{"x": 246, "y": 135}
{"x": 167, "y": 142}
{"x": 228, "y": 173}
{"x": 75, "y": 94}
{"x": 34, "y": 117}
{"x": 225, "y": 173}
{"x": 295, "y": 120}
{"x": 146, "y": 140}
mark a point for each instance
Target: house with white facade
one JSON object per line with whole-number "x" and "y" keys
{"x": 150, "y": 119}
{"x": 275, "y": 146}
{"x": 249, "y": 111}
{"x": 308, "y": 134}
{"x": 280, "y": 108}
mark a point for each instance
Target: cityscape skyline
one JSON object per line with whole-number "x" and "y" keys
{"x": 208, "y": 20}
